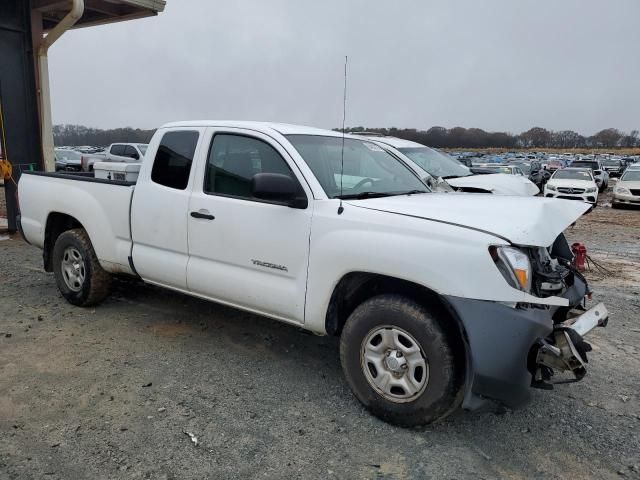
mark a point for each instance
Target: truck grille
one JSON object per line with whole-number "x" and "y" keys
{"x": 570, "y": 190}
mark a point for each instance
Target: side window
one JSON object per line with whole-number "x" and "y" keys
{"x": 235, "y": 159}
{"x": 173, "y": 160}
{"x": 117, "y": 150}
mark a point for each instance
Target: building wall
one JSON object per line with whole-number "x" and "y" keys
{"x": 18, "y": 95}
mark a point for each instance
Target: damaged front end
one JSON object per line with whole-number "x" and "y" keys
{"x": 564, "y": 349}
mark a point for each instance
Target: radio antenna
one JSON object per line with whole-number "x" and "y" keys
{"x": 344, "y": 117}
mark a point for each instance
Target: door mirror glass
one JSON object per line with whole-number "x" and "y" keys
{"x": 276, "y": 187}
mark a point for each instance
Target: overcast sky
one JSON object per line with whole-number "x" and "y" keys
{"x": 494, "y": 64}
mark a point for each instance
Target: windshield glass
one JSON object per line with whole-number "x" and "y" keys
{"x": 582, "y": 163}
{"x": 368, "y": 169}
{"x": 497, "y": 169}
{"x": 143, "y": 148}
{"x": 67, "y": 155}
{"x": 572, "y": 175}
{"x": 437, "y": 164}
{"x": 611, "y": 163}
{"x": 526, "y": 168}
{"x": 631, "y": 176}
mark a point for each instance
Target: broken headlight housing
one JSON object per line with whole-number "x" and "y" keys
{"x": 514, "y": 265}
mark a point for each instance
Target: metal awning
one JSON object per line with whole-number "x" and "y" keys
{"x": 97, "y": 12}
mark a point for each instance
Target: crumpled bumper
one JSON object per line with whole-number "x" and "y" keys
{"x": 500, "y": 341}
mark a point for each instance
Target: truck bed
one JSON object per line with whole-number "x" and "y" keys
{"x": 101, "y": 207}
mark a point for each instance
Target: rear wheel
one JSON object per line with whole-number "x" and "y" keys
{"x": 79, "y": 276}
{"x": 399, "y": 362}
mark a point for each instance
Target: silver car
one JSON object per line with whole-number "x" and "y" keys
{"x": 627, "y": 190}
{"x": 67, "y": 159}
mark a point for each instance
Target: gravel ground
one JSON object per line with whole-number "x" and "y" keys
{"x": 114, "y": 392}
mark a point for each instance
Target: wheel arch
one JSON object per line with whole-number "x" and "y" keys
{"x": 357, "y": 287}
{"x": 57, "y": 223}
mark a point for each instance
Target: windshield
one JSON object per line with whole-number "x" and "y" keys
{"x": 142, "y": 148}
{"x": 497, "y": 169}
{"x": 435, "y": 163}
{"x": 368, "y": 169}
{"x": 67, "y": 155}
{"x": 572, "y": 175}
{"x": 526, "y": 168}
{"x": 591, "y": 165}
{"x": 611, "y": 163}
{"x": 631, "y": 176}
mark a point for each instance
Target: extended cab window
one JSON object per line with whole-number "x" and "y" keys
{"x": 235, "y": 159}
{"x": 172, "y": 164}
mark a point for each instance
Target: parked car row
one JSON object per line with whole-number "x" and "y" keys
{"x": 81, "y": 159}
{"x": 541, "y": 168}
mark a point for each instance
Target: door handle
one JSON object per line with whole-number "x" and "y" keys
{"x": 204, "y": 216}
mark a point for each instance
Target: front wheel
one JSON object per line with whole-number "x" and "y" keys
{"x": 398, "y": 361}
{"x": 79, "y": 276}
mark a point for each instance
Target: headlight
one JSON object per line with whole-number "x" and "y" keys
{"x": 590, "y": 190}
{"x": 622, "y": 190}
{"x": 514, "y": 265}
{"x": 551, "y": 187}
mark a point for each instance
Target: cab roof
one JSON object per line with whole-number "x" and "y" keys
{"x": 265, "y": 127}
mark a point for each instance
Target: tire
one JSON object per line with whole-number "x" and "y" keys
{"x": 79, "y": 276}
{"x": 412, "y": 323}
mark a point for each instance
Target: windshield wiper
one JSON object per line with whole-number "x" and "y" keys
{"x": 410, "y": 192}
{"x": 362, "y": 195}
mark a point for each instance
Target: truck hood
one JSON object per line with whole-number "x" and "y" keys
{"x": 526, "y": 221}
{"x": 497, "y": 183}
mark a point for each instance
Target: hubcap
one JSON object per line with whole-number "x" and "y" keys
{"x": 73, "y": 269}
{"x": 394, "y": 364}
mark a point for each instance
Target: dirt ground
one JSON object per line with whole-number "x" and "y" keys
{"x": 115, "y": 391}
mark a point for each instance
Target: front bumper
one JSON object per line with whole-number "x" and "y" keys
{"x": 501, "y": 341}
{"x": 585, "y": 197}
{"x": 628, "y": 199}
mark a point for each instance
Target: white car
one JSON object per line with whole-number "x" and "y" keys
{"x": 439, "y": 300}
{"x": 627, "y": 189}
{"x": 441, "y": 167}
{"x": 126, "y": 152}
{"x": 573, "y": 184}
{"x": 506, "y": 169}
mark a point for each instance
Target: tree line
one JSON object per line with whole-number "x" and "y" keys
{"x": 534, "y": 138}
{"x": 76, "y": 135}
{"x": 439, "y": 137}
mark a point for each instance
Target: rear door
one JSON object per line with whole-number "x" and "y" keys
{"x": 160, "y": 208}
{"x": 243, "y": 251}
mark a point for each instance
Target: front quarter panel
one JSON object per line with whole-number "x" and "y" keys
{"x": 447, "y": 259}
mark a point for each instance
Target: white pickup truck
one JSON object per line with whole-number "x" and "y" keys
{"x": 440, "y": 300}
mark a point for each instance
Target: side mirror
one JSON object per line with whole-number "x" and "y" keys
{"x": 430, "y": 181}
{"x": 135, "y": 156}
{"x": 276, "y": 187}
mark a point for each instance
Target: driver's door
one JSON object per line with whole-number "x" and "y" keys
{"x": 243, "y": 251}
